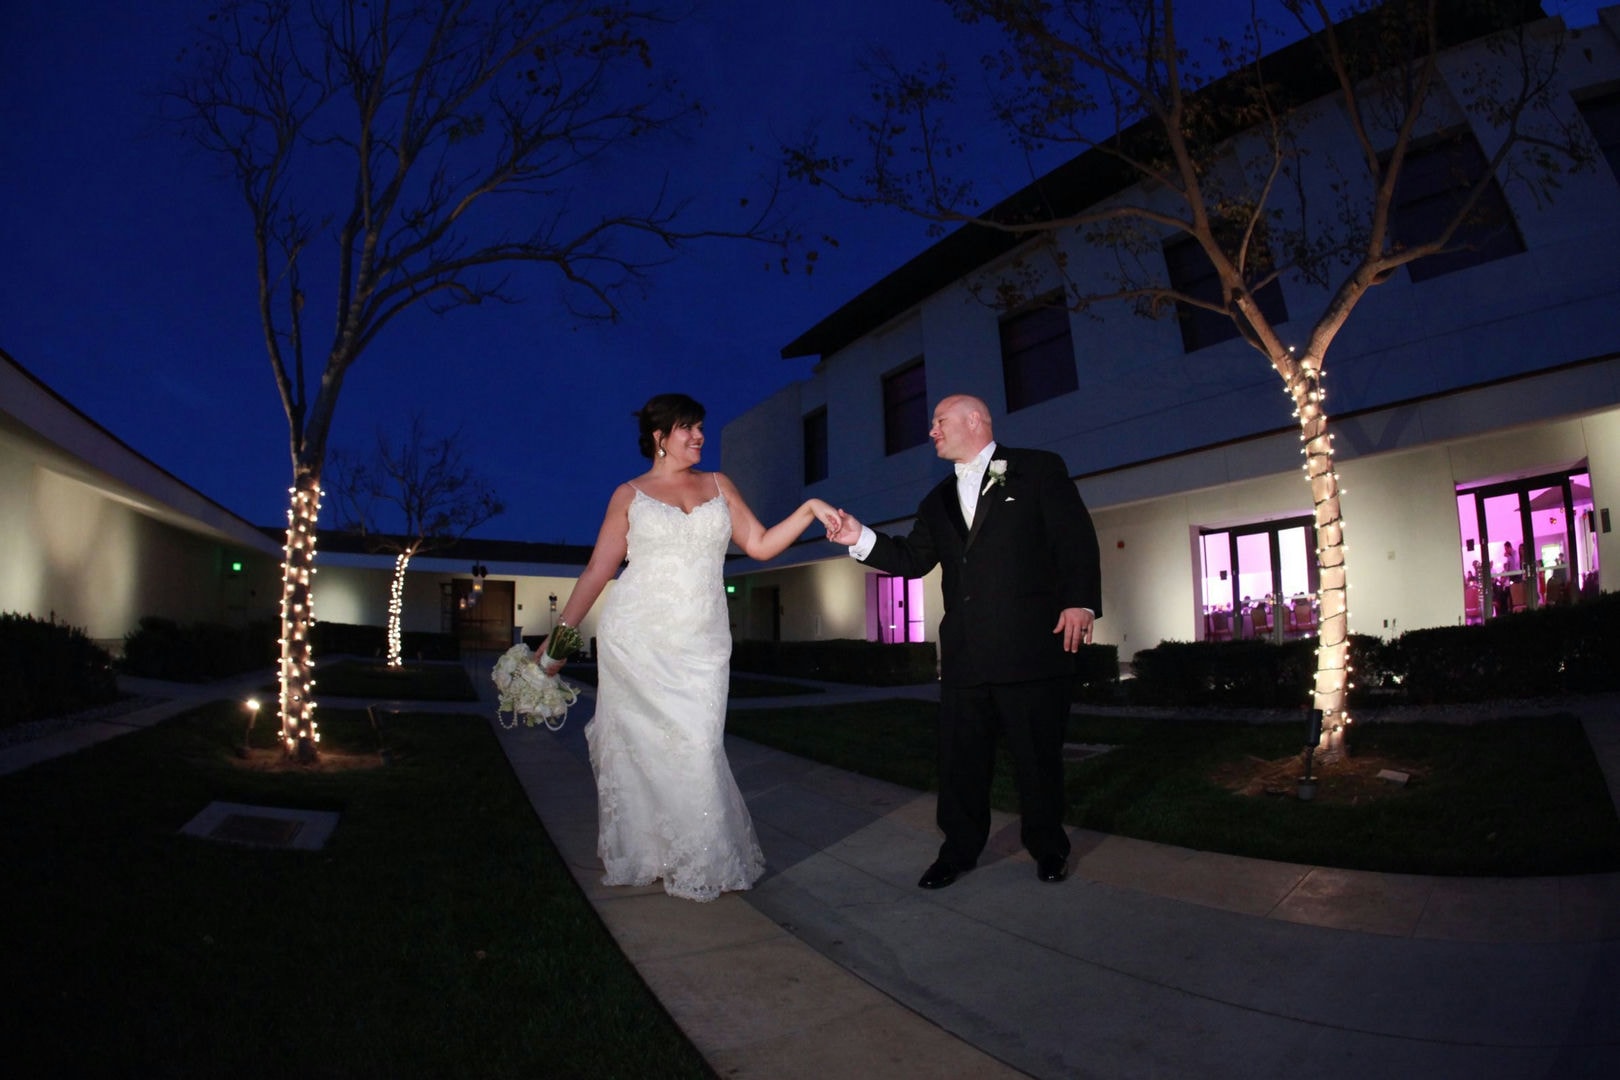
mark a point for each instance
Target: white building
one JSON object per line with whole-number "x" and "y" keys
{"x": 96, "y": 536}
{"x": 1476, "y": 403}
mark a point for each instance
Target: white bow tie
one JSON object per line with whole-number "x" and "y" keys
{"x": 968, "y": 468}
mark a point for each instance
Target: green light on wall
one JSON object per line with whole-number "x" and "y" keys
{"x": 236, "y": 566}
{"x": 730, "y": 589}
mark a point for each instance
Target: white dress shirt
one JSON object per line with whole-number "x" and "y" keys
{"x": 969, "y": 481}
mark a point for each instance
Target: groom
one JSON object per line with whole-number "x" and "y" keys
{"x": 1022, "y": 585}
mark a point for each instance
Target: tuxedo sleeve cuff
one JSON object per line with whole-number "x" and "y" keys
{"x": 861, "y": 548}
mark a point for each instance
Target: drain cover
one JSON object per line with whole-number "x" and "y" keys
{"x": 263, "y": 826}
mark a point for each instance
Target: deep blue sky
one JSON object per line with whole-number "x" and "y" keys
{"x": 129, "y": 286}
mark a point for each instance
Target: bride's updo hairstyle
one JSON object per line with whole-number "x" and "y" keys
{"x": 666, "y": 412}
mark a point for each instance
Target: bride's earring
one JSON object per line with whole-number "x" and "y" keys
{"x": 661, "y": 452}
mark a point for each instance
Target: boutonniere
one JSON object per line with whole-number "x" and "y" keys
{"x": 995, "y": 475}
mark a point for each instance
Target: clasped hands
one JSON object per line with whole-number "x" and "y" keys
{"x": 1075, "y": 624}
{"x": 842, "y": 528}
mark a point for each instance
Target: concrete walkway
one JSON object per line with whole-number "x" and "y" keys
{"x": 1151, "y": 961}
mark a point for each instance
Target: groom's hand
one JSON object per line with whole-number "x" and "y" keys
{"x": 847, "y": 530}
{"x": 1075, "y": 625}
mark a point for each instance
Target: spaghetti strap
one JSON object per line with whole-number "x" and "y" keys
{"x": 717, "y": 490}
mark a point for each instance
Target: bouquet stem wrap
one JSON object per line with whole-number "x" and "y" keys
{"x": 563, "y": 642}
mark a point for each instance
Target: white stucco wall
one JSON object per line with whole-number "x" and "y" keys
{"x": 85, "y": 550}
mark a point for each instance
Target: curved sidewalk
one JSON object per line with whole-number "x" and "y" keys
{"x": 1151, "y": 961}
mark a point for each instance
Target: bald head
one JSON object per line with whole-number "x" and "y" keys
{"x": 961, "y": 428}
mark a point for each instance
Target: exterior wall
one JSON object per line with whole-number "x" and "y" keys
{"x": 98, "y": 553}
{"x": 820, "y": 601}
{"x": 355, "y": 588}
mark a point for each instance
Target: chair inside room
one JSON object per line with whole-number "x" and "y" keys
{"x": 1555, "y": 593}
{"x": 1220, "y": 626}
{"x": 1304, "y": 616}
{"x": 1516, "y": 596}
{"x": 1471, "y": 604}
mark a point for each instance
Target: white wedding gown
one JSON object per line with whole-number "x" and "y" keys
{"x": 667, "y": 804}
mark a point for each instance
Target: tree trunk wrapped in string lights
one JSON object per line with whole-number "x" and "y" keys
{"x": 1332, "y": 684}
{"x": 300, "y": 734}
{"x": 396, "y": 610}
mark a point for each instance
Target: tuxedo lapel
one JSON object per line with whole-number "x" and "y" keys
{"x": 980, "y": 512}
{"x": 988, "y": 500}
{"x": 952, "y": 506}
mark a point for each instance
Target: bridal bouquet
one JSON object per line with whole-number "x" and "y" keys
{"x": 527, "y": 692}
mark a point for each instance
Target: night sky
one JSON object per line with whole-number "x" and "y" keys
{"x": 129, "y": 289}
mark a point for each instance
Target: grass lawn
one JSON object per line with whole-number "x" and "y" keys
{"x": 437, "y": 934}
{"x": 1509, "y": 798}
{"x": 415, "y": 681}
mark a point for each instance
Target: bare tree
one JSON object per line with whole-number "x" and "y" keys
{"x": 395, "y": 154}
{"x": 1167, "y": 152}
{"x": 422, "y": 485}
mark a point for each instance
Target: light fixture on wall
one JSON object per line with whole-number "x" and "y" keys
{"x": 479, "y": 573}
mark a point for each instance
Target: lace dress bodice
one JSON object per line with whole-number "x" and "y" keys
{"x": 676, "y": 558}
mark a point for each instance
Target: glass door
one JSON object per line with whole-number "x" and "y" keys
{"x": 897, "y": 605}
{"x": 1526, "y": 543}
{"x": 1259, "y": 581}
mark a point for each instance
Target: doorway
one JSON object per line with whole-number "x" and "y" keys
{"x": 1259, "y": 580}
{"x": 1526, "y": 543}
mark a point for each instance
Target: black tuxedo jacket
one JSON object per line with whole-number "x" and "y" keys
{"x": 1032, "y": 551}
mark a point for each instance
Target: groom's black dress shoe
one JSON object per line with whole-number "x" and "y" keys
{"x": 1052, "y": 868}
{"x": 939, "y": 875}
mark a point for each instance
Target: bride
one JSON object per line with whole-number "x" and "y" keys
{"x": 668, "y": 807}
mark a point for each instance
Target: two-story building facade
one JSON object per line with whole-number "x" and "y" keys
{"x": 1475, "y": 403}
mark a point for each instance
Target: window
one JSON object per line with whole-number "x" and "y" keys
{"x": 905, "y": 408}
{"x": 815, "y": 446}
{"x": 1259, "y": 580}
{"x": 1193, "y": 274}
{"x": 1602, "y": 115}
{"x": 1037, "y": 355}
{"x": 1528, "y": 542}
{"x": 1428, "y": 195}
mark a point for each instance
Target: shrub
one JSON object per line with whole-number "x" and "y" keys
{"x": 1572, "y": 648}
{"x": 162, "y": 648}
{"x": 846, "y": 660}
{"x": 1247, "y": 673}
{"x": 1096, "y": 673}
{"x": 349, "y": 639}
{"x": 50, "y": 669}
{"x": 359, "y": 639}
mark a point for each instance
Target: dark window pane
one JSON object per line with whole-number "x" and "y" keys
{"x": 1037, "y": 356}
{"x": 1603, "y": 117}
{"x": 1192, "y": 274}
{"x": 905, "y": 409}
{"x": 815, "y": 446}
{"x": 1433, "y": 183}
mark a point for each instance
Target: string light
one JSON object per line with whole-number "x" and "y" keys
{"x": 1303, "y": 385}
{"x": 396, "y": 605}
{"x": 299, "y": 732}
